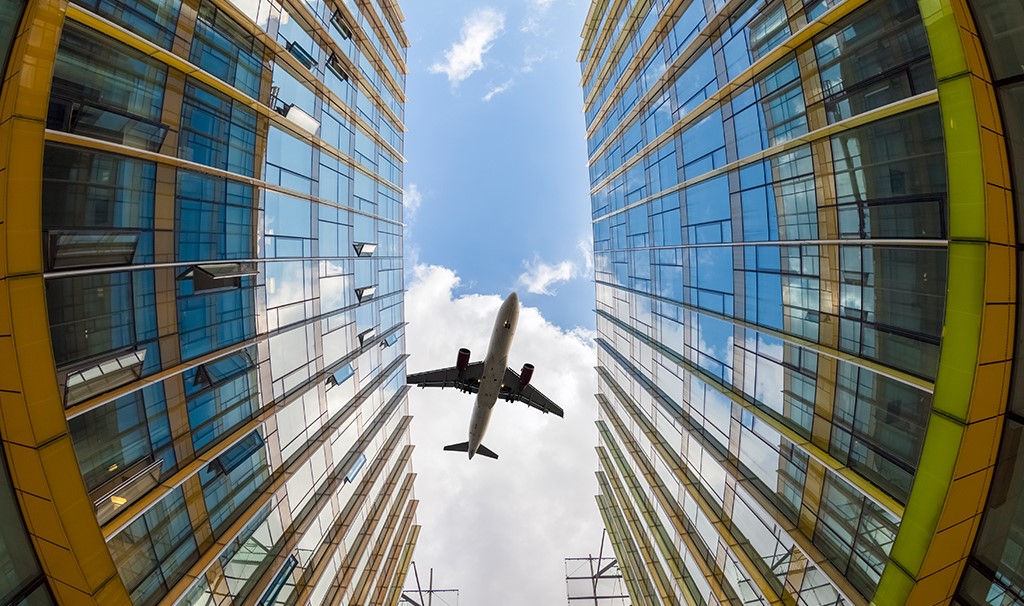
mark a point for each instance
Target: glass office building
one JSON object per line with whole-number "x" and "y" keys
{"x": 806, "y": 218}
{"x": 202, "y": 345}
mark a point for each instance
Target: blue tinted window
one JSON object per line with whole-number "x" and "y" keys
{"x": 90, "y": 315}
{"x": 225, "y": 395}
{"x": 233, "y": 479}
{"x": 216, "y": 130}
{"x": 215, "y": 218}
{"x": 289, "y": 161}
{"x": 708, "y": 201}
{"x": 156, "y": 550}
{"x": 89, "y": 190}
{"x": 154, "y": 20}
{"x": 213, "y": 320}
{"x": 106, "y": 90}
{"x": 113, "y": 438}
{"x": 224, "y": 49}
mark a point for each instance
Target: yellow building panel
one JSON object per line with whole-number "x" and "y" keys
{"x": 974, "y": 55}
{"x": 26, "y": 468}
{"x": 7, "y": 102}
{"x": 91, "y": 551}
{"x": 10, "y": 380}
{"x": 5, "y": 142}
{"x": 4, "y": 131}
{"x": 17, "y": 427}
{"x": 963, "y": 16}
{"x": 994, "y": 158}
{"x": 935, "y": 588}
{"x": 23, "y": 219}
{"x": 1000, "y": 210}
{"x": 985, "y": 103}
{"x": 113, "y": 594}
{"x": 997, "y": 333}
{"x": 990, "y": 387}
{"x": 1000, "y": 273}
{"x": 963, "y": 499}
{"x": 41, "y": 519}
{"x": 35, "y": 360}
{"x": 60, "y": 564}
{"x": 976, "y": 448}
{"x": 949, "y": 544}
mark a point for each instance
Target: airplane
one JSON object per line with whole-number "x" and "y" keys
{"x": 489, "y": 380}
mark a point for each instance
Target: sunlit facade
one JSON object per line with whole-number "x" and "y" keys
{"x": 202, "y": 344}
{"x": 806, "y": 284}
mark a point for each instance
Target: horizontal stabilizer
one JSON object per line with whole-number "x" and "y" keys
{"x": 487, "y": 452}
{"x": 464, "y": 447}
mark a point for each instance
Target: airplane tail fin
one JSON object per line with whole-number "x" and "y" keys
{"x": 464, "y": 447}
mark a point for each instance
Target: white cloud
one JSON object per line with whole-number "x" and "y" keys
{"x": 497, "y": 90}
{"x": 586, "y": 250}
{"x": 522, "y": 514}
{"x": 479, "y": 31}
{"x": 411, "y": 201}
{"x": 536, "y": 10}
{"x": 539, "y": 276}
{"x": 533, "y": 58}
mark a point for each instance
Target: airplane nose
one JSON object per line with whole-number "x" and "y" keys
{"x": 513, "y": 298}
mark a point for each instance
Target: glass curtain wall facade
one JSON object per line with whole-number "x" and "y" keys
{"x": 805, "y": 270}
{"x": 201, "y": 324}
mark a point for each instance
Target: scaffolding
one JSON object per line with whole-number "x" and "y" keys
{"x": 596, "y": 580}
{"x": 420, "y": 596}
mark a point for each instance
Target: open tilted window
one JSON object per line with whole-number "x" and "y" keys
{"x": 218, "y": 276}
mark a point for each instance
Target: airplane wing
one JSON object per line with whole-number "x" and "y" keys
{"x": 468, "y": 380}
{"x": 528, "y": 395}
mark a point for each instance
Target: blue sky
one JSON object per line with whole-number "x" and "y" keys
{"x": 495, "y": 149}
{"x": 496, "y": 196}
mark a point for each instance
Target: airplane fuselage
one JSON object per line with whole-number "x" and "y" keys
{"x": 494, "y": 370}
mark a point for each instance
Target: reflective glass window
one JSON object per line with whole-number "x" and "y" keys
{"x": 154, "y": 20}
{"x": 221, "y": 47}
{"x": 90, "y": 315}
{"x": 879, "y": 427}
{"x": 890, "y": 177}
{"x": 208, "y": 321}
{"x": 873, "y": 57}
{"x": 10, "y": 19}
{"x": 289, "y": 161}
{"x": 233, "y": 480}
{"x": 20, "y": 572}
{"x": 216, "y": 130}
{"x": 854, "y": 534}
{"x": 222, "y": 395}
{"x": 1011, "y": 104}
{"x": 120, "y": 435}
{"x": 1001, "y": 26}
{"x": 156, "y": 550}
{"x": 214, "y": 218}
{"x": 106, "y": 90}
{"x": 90, "y": 192}
{"x": 892, "y": 304}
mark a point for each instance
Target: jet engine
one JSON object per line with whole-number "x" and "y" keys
{"x": 462, "y": 362}
{"x": 525, "y": 375}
